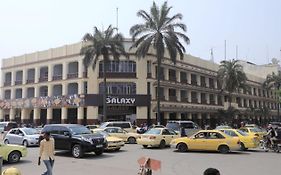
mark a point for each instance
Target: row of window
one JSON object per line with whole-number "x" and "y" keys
{"x": 43, "y": 74}
{"x": 72, "y": 88}
{"x": 119, "y": 66}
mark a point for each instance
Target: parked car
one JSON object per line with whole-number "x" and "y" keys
{"x": 6, "y": 126}
{"x": 22, "y": 136}
{"x": 122, "y": 124}
{"x": 128, "y": 137}
{"x": 12, "y": 153}
{"x": 113, "y": 143}
{"x": 189, "y": 126}
{"x": 223, "y": 127}
{"x": 247, "y": 141}
{"x": 91, "y": 127}
{"x": 157, "y": 137}
{"x": 207, "y": 140}
{"x": 76, "y": 138}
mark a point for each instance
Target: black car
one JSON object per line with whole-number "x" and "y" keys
{"x": 76, "y": 138}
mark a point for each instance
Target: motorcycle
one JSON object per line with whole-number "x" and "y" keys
{"x": 266, "y": 144}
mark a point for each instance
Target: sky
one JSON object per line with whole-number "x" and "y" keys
{"x": 252, "y": 26}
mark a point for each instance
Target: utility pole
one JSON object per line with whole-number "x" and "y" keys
{"x": 117, "y": 19}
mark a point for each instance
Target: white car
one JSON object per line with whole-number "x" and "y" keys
{"x": 22, "y": 136}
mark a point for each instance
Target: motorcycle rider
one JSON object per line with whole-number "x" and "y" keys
{"x": 272, "y": 134}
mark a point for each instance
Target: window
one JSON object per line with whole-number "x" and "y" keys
{"x": 148, "y": 66}
{"x": 7, "y": 94}
{"x": 119, "y": 88}
{"x": 183, "y": 77}
{"x": 123, "y": 66}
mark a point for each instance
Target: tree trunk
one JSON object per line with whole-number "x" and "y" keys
{"x": 104, "y": 117}
{"x": 158, "y": 90}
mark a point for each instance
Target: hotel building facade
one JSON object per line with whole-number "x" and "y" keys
{"x": 53, "y": 86}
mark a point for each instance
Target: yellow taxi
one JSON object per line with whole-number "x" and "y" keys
{"x": 254, "y": 131}
{"x": 157, "y": 137}
{"x": 207, "y": 140}
{"x": 12, "y": 153}
{"x": 128, "y": 137}
{"x": 247, "y": 141}
{"x": 113, "y": 143}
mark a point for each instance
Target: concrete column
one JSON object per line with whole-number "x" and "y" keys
{"x": 37, "y": 74}
{"x": 189, "y": 116}
{"x": 188, "y": 77}
{"x": 36, "y": 91}
{"x": 50, "y": 90}
{"x": 24, "y": 92}
{"x": 208, "y": 98}
{"x": 198, "y": 79}
{"x": 166, "y": 115}
{"x": 24, "y": 116}
{"x": 166, "y": 74}
{"x": 199, "y": 97}
{"x": 189, "y": 96}
{"x": 178, "y": 115}
{"x": 207, "y": 80}
{"x": 92, "y": 114}
{"x": 216, "y": 83}
{"x": 13, "y": 78}
{"x": 50, "y": 72}
{"x": 80, "y": 68}
{"x": 64, "y": 89}
{"x": 49, "y": 115}
{"x": 166, "y": 93}
{"x": 12, "y": 114}
{"x": 80, "y": 115}
{"x": 36, "y": 116}
{"x": 141, "y": 115}
{"x": 80, "y": 87}
{"x": 64, "y": 70}
{"x": 242, "y": 102}
{"x": 216, "y": 98}
{"x": 24, "y": 76}
{"x": 178, "y": 94}
{"x": 178, "y": 75}
{"x": 64, "y": 115}
{"x": 1, "y": 115}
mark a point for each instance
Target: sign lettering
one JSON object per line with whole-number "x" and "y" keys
{"x": 117, "y": 100}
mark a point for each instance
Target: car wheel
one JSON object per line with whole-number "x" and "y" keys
{"x": 144, "y": 146}
{"x": 77, "y": 151}
{"x": 162, "y": 144}
{"x": 117, "y": 149}
{"x": 224, "y": 149}
{"x": 14, "y": 157}
{"x": 182, "y": 147}
{"x": 25, "y": 143}
{"x": 242, "y": 147}
{"x": 99, "y": 152}
{"x": 131, "y": 140}
{"x": 6, "y": 141}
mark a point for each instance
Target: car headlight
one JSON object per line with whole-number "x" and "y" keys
{"x": 87, "y": 140}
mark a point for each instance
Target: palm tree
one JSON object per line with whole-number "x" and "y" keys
{"x": 102, "y": 43}
{"x": 227, "y": 116}
{"x": 274, "y": 81}
{"x": 159, "y": 31}
{"x": 232, "y": 77}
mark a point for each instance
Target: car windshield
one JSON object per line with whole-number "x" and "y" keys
{"x": 30, "y": 131}
{"x": 242, "y": 133}
{"x": 255, "y": 130}
{"x": 153, "y": 131}
{"x": 2, "y": 125}
{"x": 103, "y": 125}
{"x": 79, "y": 130}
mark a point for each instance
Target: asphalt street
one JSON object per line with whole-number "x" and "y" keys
{"x": 253, "y": 162}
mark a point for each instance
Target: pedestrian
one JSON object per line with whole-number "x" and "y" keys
{"x": 211, "y": 171}
{"x": 47, "y": 151}
{"x": 182, "y": 132}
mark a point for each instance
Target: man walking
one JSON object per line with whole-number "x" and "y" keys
{"x": 47, "y": 153}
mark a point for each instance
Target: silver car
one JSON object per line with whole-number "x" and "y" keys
{"x": 22, "y": 136}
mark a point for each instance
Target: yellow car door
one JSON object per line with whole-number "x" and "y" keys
{"x": 198, "y": 141}
{"x": 214, "y": 139}
{"x": 166, "y": 136}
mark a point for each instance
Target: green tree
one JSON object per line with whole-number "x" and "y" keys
{"x": 102, "y": 43}
{"x": 231, "y": 77}
{"x": 227, "y": 116}
{"x": 274, "y": 81}
{"x": 159, "y": 31}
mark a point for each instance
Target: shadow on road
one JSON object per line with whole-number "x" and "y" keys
{"x": 21, "y": 162}
{"x": 213, "y": 152}
{"x": 86, "y": 155}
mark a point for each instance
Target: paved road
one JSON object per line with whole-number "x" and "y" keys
{"x": 124, "y": 162}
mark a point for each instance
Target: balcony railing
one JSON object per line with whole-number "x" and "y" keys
{"x": 18, "y": 82}
{"x": 212, "y": 86}
{"x": 203, "y": 101}
{"x": 118, "y": 75}
{"x": 194, "y": 100}
{"x": 193, "y": 82}
{"x": 8, "y": 83}
{"x": 43, "y": 79}
{"x": 172, "y": 78}
{"x": 203, "y": 84}
{"x": 72, "y": 75}
{"x": 184, "y": 81}
{"x": 162, "y": 98}
{"x": 57, "y": 77}
{"x": 172, "y": 98}
{"x": 29, "y": 81}
{"x": 184, "y": 99}
{"x": 212, "y": 102}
